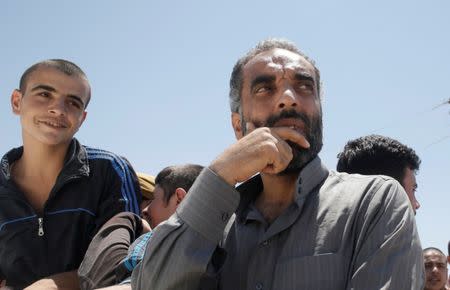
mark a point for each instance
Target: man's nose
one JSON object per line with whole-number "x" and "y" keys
{"x": 58, "y": 107}
{"x": 416, "y": 204}
{"x": 288, "y": 98}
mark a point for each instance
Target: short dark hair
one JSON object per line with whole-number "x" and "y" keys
{"x": 448, "y": 246}
{"x": 173, "y": 177}
{"x": 236, "y": 78}
{"x": 429, "y": 249}
{"x": 376, "y": 154}
{"x": 65, "y": 66}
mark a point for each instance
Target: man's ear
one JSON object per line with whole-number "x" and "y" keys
{"x": 236, "y": 122}
{"x": 16, "y": 101}
{"x": 180, "y": 194}
{"x": 83, "y": 117}
{"x": 448, "y": 259}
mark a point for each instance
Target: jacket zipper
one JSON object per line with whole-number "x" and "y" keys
{"x": 41, "y": 227}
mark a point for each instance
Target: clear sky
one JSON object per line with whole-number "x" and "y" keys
{"x": 159, "y": 72}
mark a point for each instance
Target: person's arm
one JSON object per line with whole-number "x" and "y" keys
{"x": 180, "y": 250}
{"x": 388, "y": 254}
{"x": 60, "y": 281}
{"x": 108, "y": 248}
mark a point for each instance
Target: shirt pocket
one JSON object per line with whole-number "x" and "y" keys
{"x": 322, "y": 271}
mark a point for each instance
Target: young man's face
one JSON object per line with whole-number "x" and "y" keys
{"x": 280, "y": 89}
{"x": 158, "y": 210}
{"x": 410, "y": 185}
{"x": 51, "y": 108}
{"x": 435, "y": 270}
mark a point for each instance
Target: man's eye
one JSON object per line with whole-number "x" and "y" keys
{"x": 75, "y": 104}
{"x": 263, "y": 89}
{"x": 44, "y": 94}
{"x": 305, "y": 87}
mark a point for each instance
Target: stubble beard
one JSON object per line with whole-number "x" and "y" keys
{"x": 312, "y": 132}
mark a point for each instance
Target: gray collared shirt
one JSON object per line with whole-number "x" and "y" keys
{"x": 342, "y": 232}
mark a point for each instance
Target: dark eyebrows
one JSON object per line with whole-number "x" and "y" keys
{"x": 304, "y": 77}
{"x": 43, "y": 87}
{"x": 52, "y": 89}
{"x": 262, "y": 79}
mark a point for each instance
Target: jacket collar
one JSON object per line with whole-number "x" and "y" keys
{"x": 75, "y": 164}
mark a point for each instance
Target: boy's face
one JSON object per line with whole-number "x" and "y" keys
{"x": 159, "y": 210}
{"x": 51, "y": 108}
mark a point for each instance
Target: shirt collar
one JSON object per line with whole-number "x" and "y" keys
{"x": 312, "y": 175}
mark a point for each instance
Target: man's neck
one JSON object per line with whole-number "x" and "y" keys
{"x": 278, "y": 194}
{"x": 36, "y": 171}
{"x": 41, "y": 160}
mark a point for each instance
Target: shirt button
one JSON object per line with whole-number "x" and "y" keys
{"x": 259, "y": 286}
{"x": 225, "y": 216}
{"x": 265, "y": 243}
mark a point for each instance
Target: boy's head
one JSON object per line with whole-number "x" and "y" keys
{"x": 171, "y": 186}
{"x": 51, "y": 101}
{"x": 64, "y": 66}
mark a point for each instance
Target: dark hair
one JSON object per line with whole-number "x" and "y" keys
{"x": 375, "y": 154}
{"x": 448, "y": 246}
{"x": 429, "y": 249}
{"x": 236, "y": 79}
{"x": 65, "y": 66}
{"x": 173, "y": 177}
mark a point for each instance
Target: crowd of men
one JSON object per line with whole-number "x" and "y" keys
{"x": 265, "y": 214}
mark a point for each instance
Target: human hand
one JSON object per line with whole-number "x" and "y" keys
{"x": 263, "y": 150}
{"x": 3, "y": 285}
{"x": 145, "y": 226}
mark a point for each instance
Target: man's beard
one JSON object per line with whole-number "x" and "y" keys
{"x": 312, "y": 132}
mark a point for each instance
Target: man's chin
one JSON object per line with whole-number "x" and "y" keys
{"x": 300, "y": 160}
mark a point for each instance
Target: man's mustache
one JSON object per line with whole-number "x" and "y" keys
{"x": 289, "y": 114}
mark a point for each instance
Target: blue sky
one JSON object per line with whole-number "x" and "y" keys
{"x": 159, "y": 73}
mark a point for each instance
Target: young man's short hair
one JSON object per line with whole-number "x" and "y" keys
{"x": 64, "y": 66}
{"x": 173, "y": 177}
{"x": 376, "y": 154}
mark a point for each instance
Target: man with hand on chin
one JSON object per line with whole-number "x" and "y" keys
{"x": 292, "y": 223}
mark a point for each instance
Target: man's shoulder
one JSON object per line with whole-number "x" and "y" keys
{"x": 97, "y": 153}
{"x": 356, "y": 181}
{"x": 105, "y": 157}
{"x": 356, "y": 188}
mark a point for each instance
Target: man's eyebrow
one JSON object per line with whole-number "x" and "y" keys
{"x": 261, "y": 80}
{"x": 303, "y": 77}
{"x": 52, "y": 89}
{"x": 76, "y": 98}
{"x": 43, "y": 87}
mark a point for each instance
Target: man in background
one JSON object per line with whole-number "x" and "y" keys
{"x": 436, "y": 271}
{"x": 376, "y": 154}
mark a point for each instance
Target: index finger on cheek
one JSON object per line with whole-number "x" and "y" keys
{"x": 291, "y": 135}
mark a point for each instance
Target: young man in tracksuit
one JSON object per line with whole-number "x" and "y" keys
{"x": 54, "y": 192}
